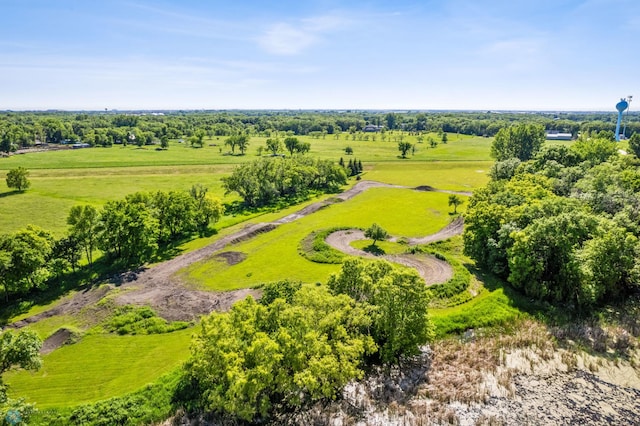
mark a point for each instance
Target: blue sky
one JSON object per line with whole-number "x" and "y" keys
{"x": 431, "y": 54}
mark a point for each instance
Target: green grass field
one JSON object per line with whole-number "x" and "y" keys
{"x": 62, "y": 179}
{"x": 273, "y": 256}
{"x": 100, "y": 367}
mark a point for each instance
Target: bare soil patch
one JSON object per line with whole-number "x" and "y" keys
{"x": 57, "y": 339}
{"x": 160, "y": 288}
{"x": 231, "y": 257}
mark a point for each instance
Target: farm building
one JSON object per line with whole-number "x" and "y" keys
{"x": 554, "y": 135}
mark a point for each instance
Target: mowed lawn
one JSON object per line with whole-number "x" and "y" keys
{"x": 274, "y": 255}
{"x": 53, "y": 192}
{"x": 100, "y": 366}
{"x": 62, "y": 179}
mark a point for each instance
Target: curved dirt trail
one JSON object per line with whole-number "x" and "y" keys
{"x": 159, "y": 288}
{"x": 431, "y": 269}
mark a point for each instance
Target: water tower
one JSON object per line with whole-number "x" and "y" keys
{"x": 621, "y": 106}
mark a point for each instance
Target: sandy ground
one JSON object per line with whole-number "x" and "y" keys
{"x": 159, "y": 287}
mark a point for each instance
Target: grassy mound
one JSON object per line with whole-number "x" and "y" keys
{"x": 314, "y": 248}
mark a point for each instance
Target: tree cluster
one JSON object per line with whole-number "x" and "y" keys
{"x": 353, "y": 168}
{"x": 263, "y": 181}
{"x": 303, "y": 344}
{"x": 23, "y": 130}
{"x": 128, "y": 231}
{"x": 562, "y": 227}
{"x": 131, "y": 230}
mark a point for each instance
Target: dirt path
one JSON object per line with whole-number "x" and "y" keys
{"x": 159, "y": 287}
{"x": 433, "y": 270}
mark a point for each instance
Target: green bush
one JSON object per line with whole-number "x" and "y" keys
{"x": 141, "y": 320}
{"x": 314, "y": 248}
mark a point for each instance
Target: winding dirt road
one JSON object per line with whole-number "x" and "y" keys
{"x": 159, "y": 287}
{"x": 430, "y": 268}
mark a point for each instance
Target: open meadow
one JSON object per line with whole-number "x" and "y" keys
{"x": 101, "y": 365}
{"x": 62, "y": 179}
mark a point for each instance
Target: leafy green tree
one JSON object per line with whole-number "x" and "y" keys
{"x": 521, "y": 141}
{"x": 208, "y": 209}
{"x": 634, "y": 144}
{"x": 257, "y": 357}
{"x": 404, "y": 147}
{"x": 444, "y": 139}
{"x": 291, "y": 144}
{"x": 505, "y": 169}
{"x": 231, "y": 142}
{"x": 164, "y": 142}
{"x": 398, "y": 299}
{"x": 274, "y": 145}
{"x": 5, "y": 267}
{"x": 22, "y": 350}
{"x": 176, "y": 214}
{"x": 595, "y": 151}
{"x": 18, "y": 178}
{"x": 376, "y": 233}
{"x": 609, "y": 265}
{"x": 128, "y": 231}
{"x": 391, "y": 120}
{"x": 265, "y": 180}
{"x": 68, "y": 249}
{"x": 543, "y": 261}
{"x": 25, "y": 256}
{"x": 243, "y": 143}
{"x": 84, "y": 227}
{"x": 348, "y": 150}
{"x": 455, "y": 201}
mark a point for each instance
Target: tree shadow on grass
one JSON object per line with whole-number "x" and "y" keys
{"x": 10, "y": 193}
{"x": 374, "y": 250}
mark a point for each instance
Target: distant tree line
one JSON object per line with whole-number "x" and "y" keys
{"x": 559, "y": 223}
{"x": 24, "y": 129}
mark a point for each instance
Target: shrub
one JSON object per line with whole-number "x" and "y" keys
{"x": 141, "y": 320}
{"x": 314, "y": 248}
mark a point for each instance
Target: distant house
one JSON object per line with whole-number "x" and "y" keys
{"x": 80, "y": 145}
{"x": 371, "y": 128}
{"x": 554, "y": 135}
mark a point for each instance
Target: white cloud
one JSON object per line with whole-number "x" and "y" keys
{"x": 293, "y": 38}
{"x": 515, "y": 55}
{"x": 284, "y": 39}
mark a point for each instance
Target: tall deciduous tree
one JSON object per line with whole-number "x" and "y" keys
{"x": 634, "y": 144}
{"x": 208, "y": 209}
{"x": 285, "y": 353}
{"x": 376, "y": 233}
{"x": 18, "y": 178}
{"x": 274, "y": 145}
{"x": 291, "y": 144}
{"x": 84, "y": 222}
{"x": 399, "y": 300}
{"x": 128, "y": 230}
{"x": 455, "y": 201}
{"x": 17, "y": 349}
{"x": 521, "y": 141}
{"x": 404, "y": 147}
{"x": 26, "y": 254}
